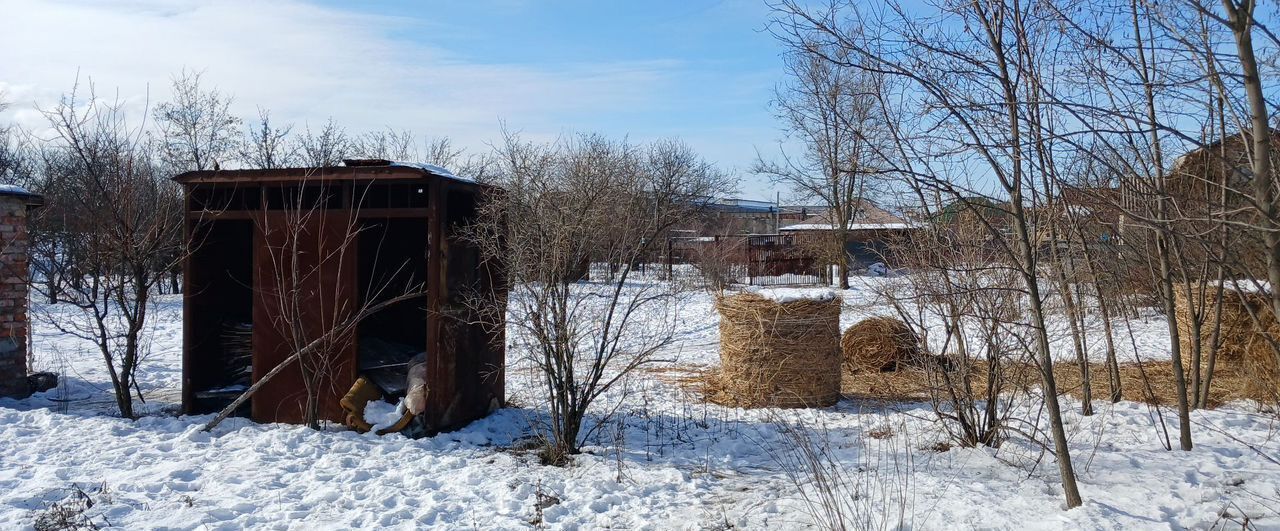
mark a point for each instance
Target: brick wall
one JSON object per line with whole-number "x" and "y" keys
{"x": 13, "y": 296}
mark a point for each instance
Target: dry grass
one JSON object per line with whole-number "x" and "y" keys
{"x": 1150, "y": 382}
{"x": 776, "y": 354}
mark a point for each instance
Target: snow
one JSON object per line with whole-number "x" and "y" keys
{"x": 381, "y": 414}
{"x": 663, "y": 460}
{"x": 852, "y": 226}
{"x": 783, "y": 294}
{"x": 1240, "y": 285}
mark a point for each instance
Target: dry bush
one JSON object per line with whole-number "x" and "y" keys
{"x": 585, "y": 200}
{"x": 956, "y": 278}
{"x": 720, "y": 262}
{"x": 74, "y": 512}
{"x": 1150, "y": 382}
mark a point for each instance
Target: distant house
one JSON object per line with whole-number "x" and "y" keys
{"x": 869, "y": 234}
{"x": 969, "y": 210}
{"x": 792, "y": 214}
{"x": 731, "y": 216}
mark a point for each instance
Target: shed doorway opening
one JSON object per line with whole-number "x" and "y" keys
{"x": 392, "y": 262}
{"x": 222, "y": 318}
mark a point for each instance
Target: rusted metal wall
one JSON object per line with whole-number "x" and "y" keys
{"x": 304, "y": 279}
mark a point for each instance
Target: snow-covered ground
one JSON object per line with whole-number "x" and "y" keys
{"x": 664, "y": 460}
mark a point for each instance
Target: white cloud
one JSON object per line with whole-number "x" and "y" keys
{"x": 304, "y": 62}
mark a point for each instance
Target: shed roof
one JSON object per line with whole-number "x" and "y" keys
{"x": 350, "y": 170}
{"x": 13, "y": 190}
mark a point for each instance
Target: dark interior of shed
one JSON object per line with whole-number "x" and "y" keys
{"x": 223, "y": 313}
{"x": 392, "y": 262}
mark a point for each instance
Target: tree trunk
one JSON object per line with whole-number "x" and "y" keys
{"x": 1163, "y": 257}
{"x": 1241, "y": 21}
{"x": 1048, "y": 382}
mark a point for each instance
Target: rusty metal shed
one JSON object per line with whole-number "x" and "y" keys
{"x": 397, "y": 225}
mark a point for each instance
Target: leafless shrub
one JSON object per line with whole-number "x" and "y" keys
{"x": 719, "y": 262}
{"x": 118, "y": 235}
{"x": 74, "y": 512}
{"x": 580, "y": 201}
{"x": 871, "y": 491}
{"x": 955, "y": 278}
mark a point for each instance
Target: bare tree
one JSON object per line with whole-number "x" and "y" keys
{"x": 267, "y": 146}
{"x": 197, "y": 129}
{"x": 388, "y": 144}
{"x": 10, "y": 160}
{"x": 831, "y": 112}
{"x": 325, "y": 148}
{"x": 1242, "y": 21}
{"x": 972, "y": 81}
{"x": 579, "y": 201}
{"x": 441, "y": 152}
{"x": 119, "y": 236}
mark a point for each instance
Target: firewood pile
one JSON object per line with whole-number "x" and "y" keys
{"x": 237, "y": 350}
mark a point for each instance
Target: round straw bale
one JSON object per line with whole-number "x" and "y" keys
{"x": 1246, "y": 338}
{"x": 1236, "y": 327}
{"x": 778, "y": 354}
{"x": 1262, "y": 366}
{"x": 878, "y": 344}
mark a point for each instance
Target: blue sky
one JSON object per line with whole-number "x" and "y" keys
{"x": 700, "y": 70}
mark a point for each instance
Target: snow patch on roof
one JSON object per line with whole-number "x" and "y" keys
{"x": 432, "y": 168}
{"x": 13, "y": 189}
